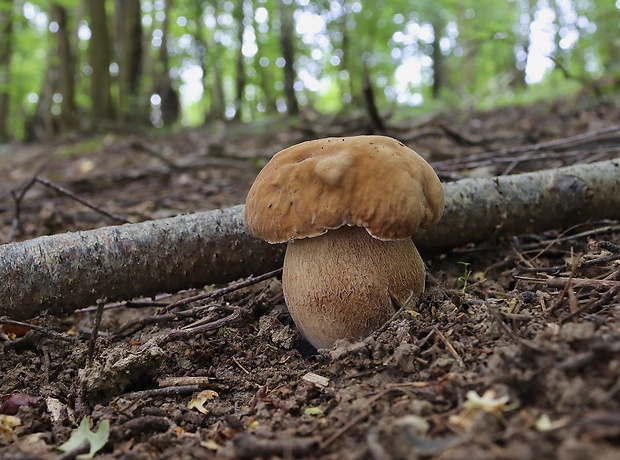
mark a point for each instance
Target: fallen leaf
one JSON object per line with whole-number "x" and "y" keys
{"x": 96, "y": 439}
{"x": 475, "y": 403}
{"x": 7, "y": 423}
{"x": 487, "y": 402}
{"x": 313, "y": 411}
{"x": 210, "y": 444}
{"x": 198, "y": 401}
{"x": 544, "y": 423}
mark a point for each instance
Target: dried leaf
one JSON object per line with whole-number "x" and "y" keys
{"x": 198, "y": 401}
{"x": 7, "y": 423}
{"x": 96, "y": 439}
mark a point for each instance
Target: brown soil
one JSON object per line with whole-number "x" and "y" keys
{"x": 512, "y": 353}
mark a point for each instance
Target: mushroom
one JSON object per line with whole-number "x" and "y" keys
{"x": 347, "y": 208}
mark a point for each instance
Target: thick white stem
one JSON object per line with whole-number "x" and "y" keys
{"x": 340, "y": 284}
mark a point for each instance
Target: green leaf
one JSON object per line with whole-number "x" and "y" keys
{"x": 97, "y": 439}
{"x": 313, "y": 411}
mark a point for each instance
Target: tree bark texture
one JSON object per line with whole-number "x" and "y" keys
{"x": 239, "y": 14}
{"x": 67, "y": 271}
{"x": 6, "y": 42}
{"x": 66, "y": 68}
{"x": 99, "y": 55}
{"x": 63, "y": 272}
{"x": 128, "y": 50}
{"x": 287, "y": 42}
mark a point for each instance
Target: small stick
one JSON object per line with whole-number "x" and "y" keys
{"x": 221, "y": 292}
{"x": 183, "y": 381}
{"x": 175, "y": 390}
{"x": 575, "y": 236}
{"x": 250, "y": 446}
{"x": 593, "y": 305}
{"x": 241, "y": 366}
{"x": 355, "y": 420}
{"x": 609, "y": 246}
{"x": 164, "y": 314}
{"x": 42, "y": 330}
{"x": 95, "y": 331}
{"x": 399, "y": 309}
{"x": 600, "y": 260}
{"x": 448, "y": 345}
{"x": 561, "y": 282}
{"x": 18, "y": 197}
{"x": 528, "y": 148}
{"x": 86, "y": 203}
{"x": 183, "y": 333}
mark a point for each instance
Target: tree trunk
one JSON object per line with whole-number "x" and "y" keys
{"x": 44, "y": 124}
{"x": 63, "y": 272}
{"x": 346, "y": 84}
{"x": 99, "y": 54}
{"x": 129, "y": 56}
{"x": 265, "y": 73}
{"x": 376, "y": 122}
{"x": 217, "y": 110}
{"x": 170, "y": 101}
{"x": 438, "y": 67}
{"x": 6, "y": 39}
{"x": 287, "y": 42}
{"x": 240, "y": 66}
{"x": 66, "y": 69}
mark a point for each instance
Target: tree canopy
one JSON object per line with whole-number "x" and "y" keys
{"x": 75, "y": 64}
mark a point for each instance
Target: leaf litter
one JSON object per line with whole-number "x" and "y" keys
{"x": 513, "y": 351}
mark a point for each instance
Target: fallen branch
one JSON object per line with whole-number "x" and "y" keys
{"x": 63, "y": 272}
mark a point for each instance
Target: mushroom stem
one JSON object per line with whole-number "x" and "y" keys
{"x": 339, "y": 285}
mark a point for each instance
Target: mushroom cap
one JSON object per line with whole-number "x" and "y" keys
{"x": 375, "y": 182}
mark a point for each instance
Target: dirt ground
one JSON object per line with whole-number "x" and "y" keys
{"x": 512, "y": 353}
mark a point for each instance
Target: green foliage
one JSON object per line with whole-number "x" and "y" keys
{"x": 479, "y": 48}
{"x": 462, "y": 280}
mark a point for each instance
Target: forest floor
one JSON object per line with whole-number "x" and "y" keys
{"x": 512, "y": 353}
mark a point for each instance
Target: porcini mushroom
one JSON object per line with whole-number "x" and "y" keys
{"x": 347, "y": 208}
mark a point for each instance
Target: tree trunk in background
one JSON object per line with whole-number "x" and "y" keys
{"x": 195, "y": 12}
{"x": 170, "y": 102}
{"x": 467, "y": 61}
{"x": 210, "y": 58}
{"x": 606, "y": 34}
{"x": 239, "y": 14}
{"x": 346, "y": 86}
{"x": 99, "y": 54}
{"x": 44, "y": 125}
{"x": 438, "y": 67}
{"x": 6, "y": 37}
{"x": 287, "y": 42}
{"x": 66, "y": 69}
{"x": 218, "y": 98}
{"x": 265, "y": 74}
{"x": 376, "y": 123}
{"x": 129, "y": 56}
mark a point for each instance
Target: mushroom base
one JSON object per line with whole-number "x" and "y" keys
{"x": 339, "y": 285}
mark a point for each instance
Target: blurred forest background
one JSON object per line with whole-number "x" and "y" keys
{"x": 82, "y": 64}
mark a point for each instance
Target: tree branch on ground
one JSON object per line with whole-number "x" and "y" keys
{"x": 60, "y": 273}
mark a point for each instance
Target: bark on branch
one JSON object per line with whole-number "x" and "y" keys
{"x": 63, "y": 272}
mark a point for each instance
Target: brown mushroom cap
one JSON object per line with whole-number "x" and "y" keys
{"x": 374, "y": 182}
